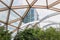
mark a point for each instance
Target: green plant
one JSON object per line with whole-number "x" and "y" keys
{"x": 29, "y": 34}
{"x": 3, "y": 35}
{"x": 52, "y": 34}
{"x": 38, "y": 34}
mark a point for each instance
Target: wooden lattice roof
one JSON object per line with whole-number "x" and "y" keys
{"x": 10, "y": 8}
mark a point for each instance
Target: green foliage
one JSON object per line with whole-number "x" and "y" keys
{"x": 38, "y": 34}
{"x": 52, "y": 34}
{"x": 29, "y": 34}
{"x": 3, "y": 35}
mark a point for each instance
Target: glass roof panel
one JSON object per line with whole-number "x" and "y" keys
{"x": 51, "y": 1}
{"x": 57, "y": 6}
{"x": 20, "y": 11}
{"x": 15, "y": 23}
{"x": 3, "y": 16}
{"x": 47, "y": 11}
{"x": 41, "y": 2}
{"x": 19, "y": 2}
{"x": 7, "y": 2}
{"x": 1, "y": 5}
{"x": 13, "y": 16}
{"x": 11, "y": 28}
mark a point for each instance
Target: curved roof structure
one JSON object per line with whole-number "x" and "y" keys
{"x": 13, "y": 12}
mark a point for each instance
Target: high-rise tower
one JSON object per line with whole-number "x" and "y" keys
{"x": 31, "y": 16}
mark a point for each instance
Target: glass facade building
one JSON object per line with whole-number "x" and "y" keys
{"x": 30, "y": 16}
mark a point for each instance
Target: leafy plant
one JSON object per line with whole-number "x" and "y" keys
{"x": 38, "y": 34}
{"x": 52, "y": 34}
{"x": 3, "y": 35}
{"x": 29, "y": 34}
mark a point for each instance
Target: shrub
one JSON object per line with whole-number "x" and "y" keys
{"x": 52, "y": 34}
{"x": 38, "y": 34}
{"x": 29, "y": 34}
{"x": 3, "y": 35}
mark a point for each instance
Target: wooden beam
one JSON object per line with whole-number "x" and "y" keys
{"x": 39, "y": 7}
{"x": 3, "y": 9}
{"x": 55, "y": 9}
{"x": 35, "y": 6}
{"x": 53, "y": 4}
{"x": 15, "y": 20}
{"x": 26, "y": 6}
{"x": 2, "y": 22}
{"x": 23, "y": 6}
{"x": 58, "y": 0}
{"x": 13, "y": 26}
